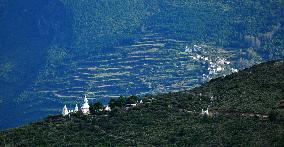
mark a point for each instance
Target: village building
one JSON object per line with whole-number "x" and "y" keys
{"x": 107, "y": 108}
{"x": 127, "y": 106}
{"x": 206, "y": 112}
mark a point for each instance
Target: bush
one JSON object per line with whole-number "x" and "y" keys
{"x": 96, "y": 108}
{"x": 273, "y": 115}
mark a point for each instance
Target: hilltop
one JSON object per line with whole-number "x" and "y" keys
{"x": 174, "y": 119}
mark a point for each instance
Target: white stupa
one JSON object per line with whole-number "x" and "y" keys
{"x": 76, "y": 108}
{"x": 85, "y": 107}
{"x": 65, "y": 111}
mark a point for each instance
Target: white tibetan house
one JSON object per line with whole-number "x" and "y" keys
{"x": 107, "y": 108}
{"x": 206, "y": 112}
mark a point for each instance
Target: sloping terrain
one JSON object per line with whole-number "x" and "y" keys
{"x": 257, "y": 89}
{"x": 150, "y": 64}
{"x": 27, "y": 29}
{"x": 52, "y": 52}
{"x": 174, "y": 118}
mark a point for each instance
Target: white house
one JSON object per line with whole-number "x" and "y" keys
{"x": 107, "y": 108}
{"x": 206, "y": 112}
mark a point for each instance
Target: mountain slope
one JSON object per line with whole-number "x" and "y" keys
{"x": 173, "y": 118}
{"x": 27, "y": 30}
{"x": 257, "y": 89}
{"x": 44, "y": 46}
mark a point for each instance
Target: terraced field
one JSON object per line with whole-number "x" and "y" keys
{"x": 152, "y": 64}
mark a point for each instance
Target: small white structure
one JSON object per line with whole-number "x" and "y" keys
{"x": 133, "y": 105}
{"x": 65, "y": 111}
{"x": 107, "y": 108}
{"x": 85, "y": 108}
{"x": 141, "y": 102}
{"x": 234, "y": 70}
{"x": 76, "y": 108}
{"x": 206, "y": 112}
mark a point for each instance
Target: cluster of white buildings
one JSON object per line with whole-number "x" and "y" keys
{"x": 65, "y": 110}
{"x": 133, "y": 105}
{"x": 85, "y": 108}
{"x": 216, "y": 66}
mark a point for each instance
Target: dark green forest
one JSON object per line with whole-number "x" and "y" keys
{"x": 235, "y": 24}
{"x": 173, "y": 119}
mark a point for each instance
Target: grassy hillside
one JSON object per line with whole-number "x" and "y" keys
{"x": 169, "y": 119}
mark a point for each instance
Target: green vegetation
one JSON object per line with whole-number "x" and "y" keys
{"x": 96, "y": 108}
{"x": 132, "y": 99}
{"x": 240, "y": 24}
{"x": 221, "y": 23}
{"x": 123, "y": 101}
{"x": 102, "y": 24}
{"x": 120, "y": 102}
{"x": 170, "y": 119}
{"x": 257, "y": 89}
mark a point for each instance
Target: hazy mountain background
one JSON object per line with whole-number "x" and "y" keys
{"x": 54, "y": 51}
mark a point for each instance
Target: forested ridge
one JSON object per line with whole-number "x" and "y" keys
{"x": 173, "y": 119}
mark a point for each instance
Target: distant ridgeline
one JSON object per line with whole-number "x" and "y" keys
{"x": 52, "y": 52}
{"x": 243, "y": 109}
